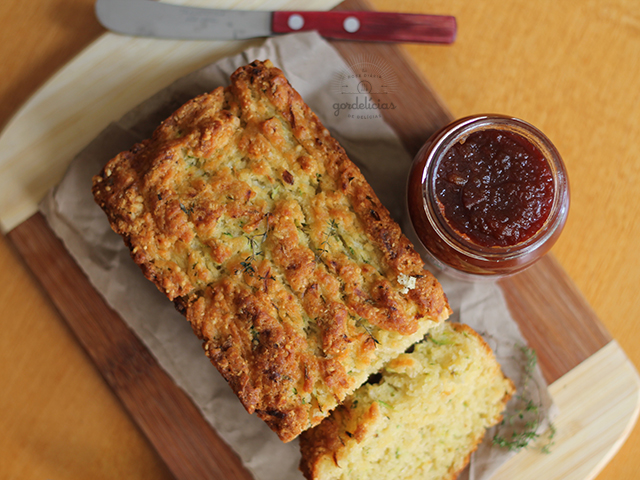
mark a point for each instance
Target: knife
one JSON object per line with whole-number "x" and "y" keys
{"x": 149, "y": 18}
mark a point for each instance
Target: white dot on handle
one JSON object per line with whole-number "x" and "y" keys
{"x": 351, "y": 24}
{"x": 295, "y": 22}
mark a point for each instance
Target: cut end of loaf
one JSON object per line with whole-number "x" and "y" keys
{"x": 421, "y": 419}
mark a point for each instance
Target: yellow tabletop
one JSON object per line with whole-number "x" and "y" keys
{"x": 571, "y": 68}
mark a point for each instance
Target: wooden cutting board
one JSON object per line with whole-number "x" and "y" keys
{"x": 593, "y": 382}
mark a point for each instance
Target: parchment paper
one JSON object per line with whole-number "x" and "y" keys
{"x": 312, "y": 66}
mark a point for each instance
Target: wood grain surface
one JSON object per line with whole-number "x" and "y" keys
{"x": 168, "y": 418}
{"x": 555, "y": 319}
{"x": 571, "y": 68}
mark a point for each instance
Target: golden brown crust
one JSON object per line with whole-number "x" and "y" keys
{"x": 246, "y": 213}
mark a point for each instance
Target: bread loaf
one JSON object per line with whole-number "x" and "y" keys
{"x": 420, "y": 419}
{"x": 247, "y": 213}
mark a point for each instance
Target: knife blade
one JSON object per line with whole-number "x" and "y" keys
{"x": 149, "y": 18}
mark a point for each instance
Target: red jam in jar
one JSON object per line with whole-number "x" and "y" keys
{"x": 487, "y": 196}
{"x": 495, "y": 188}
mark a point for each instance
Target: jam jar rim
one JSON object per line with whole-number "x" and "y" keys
{"x": 453, "y": 132}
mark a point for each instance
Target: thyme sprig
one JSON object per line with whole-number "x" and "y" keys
{"x": 256, "y": 242}
{"x": 527, "y": 418}
{"x": 360, "y": 323}
{"x": 332, "y": 231}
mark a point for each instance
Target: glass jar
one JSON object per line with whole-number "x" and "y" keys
{"x": 463, "y": 253}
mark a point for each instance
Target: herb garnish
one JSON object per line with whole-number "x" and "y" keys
{"x": 331, "y": 232}
{"x": 528, "y": 416}
{"x": 367, "y": 329}
{"x": 255, "y": 244}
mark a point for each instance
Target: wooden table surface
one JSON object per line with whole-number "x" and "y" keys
{"x": 571, "y": 68}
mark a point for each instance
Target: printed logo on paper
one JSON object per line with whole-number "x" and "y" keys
{"x": 360, "y": 90}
